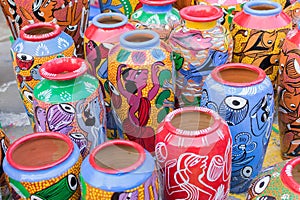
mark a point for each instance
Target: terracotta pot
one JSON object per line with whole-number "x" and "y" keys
{"x": 142, "y": 86}
{"x": 288, "y": 95}
{"x": 43, "y": 166}
{"x": 37, "y": 44}
{"x": 199, "y": 46}
{"x": 277, "y": 182}
{"x": 158, "y": 16}
{"x": 193, "y": 151}
{"x": 70, "y": 102}
{"x": 119, "y": 169}
{"x": 4, "y": 191}
{"x": 243, "y": 95}
{"x": 99, "y": 38}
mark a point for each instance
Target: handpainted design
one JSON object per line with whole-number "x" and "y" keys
{"x": 120, "y": 6}
{"x": 123, "y": 55}
{"x": 138, "y": 57}
{"x": 158, "y": 54}
{"x": 81, "y": 142}
{"x": 5, "y": 143}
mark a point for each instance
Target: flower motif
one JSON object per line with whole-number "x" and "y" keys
{"x": 243, "y": 144}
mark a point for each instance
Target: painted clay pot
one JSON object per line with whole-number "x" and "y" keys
{"x": 119, "y": 169}
{"x": 43, "y": 166}
{"x": 258, "y": 32}
{"x": 246, "y": 103}
{"x": 71, "y": 16}
{"x": 126, "y": 7}
{"x": 70, "y": 102}
{"x": 141, "y": 83}
{"x": 288, "y": 95}
{"x": 4, "y": 191}
{"x": 280, "y": 181}
{"x": 158, "y": 16}
{"x": 193, "y": 152}
{"x": 199, "y": 46}
{"x": 37, "y": 44}
{"x": 99, "y": 38}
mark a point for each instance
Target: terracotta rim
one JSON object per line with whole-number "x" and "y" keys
{"x": 247, "y": 8}
{"x": 201, "y": 13}
{"x": 286, "y": 175}
{"x": 110, "y": 26}
{"x": 40, "y": 37}
{"x": 64, "y": 68}
{"x": 216, "y": 74}
{"x": 157, "y": 2}
{"x": 37, "y": 135}
{"x": 139, "y": 148}
{"x": 188, "y": 133}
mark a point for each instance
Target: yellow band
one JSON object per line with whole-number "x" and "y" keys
{"x": 200, "y": 25}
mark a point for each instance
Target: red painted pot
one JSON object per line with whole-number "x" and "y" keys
{"x": 193, "y": 150}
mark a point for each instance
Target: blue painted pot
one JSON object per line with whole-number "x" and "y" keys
{"x": 242, "y": 94}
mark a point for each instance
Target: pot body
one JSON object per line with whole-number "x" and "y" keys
{"x": 139, "y": 181}
{"x": 293, "y": 11}
{"x": 277, "y": 181}
{"x": 30, "y": 51}
{"x": 193, "y": 151}
{"x": 160, "y": 17}
{"x": 56, "y": 178}
{"x": 141, "y": 83}
{"x": 198, "y": 47}
{"x": 71, "y": 16}
{"x": 126, "y": 7}
{"x": 99, "y": 38}
{"x": 72, "y": 106}
{"x": 288, "y": 95}
{"x": 246, "y": 102}
{"x": 4, "y": 191}
{"x": 258, "y": 22}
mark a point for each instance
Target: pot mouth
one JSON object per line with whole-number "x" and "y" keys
{"x": 117, "y": 157}
{"x": 64, "y": 68}
{"x": 139, "y": 39}
{"x": 248, "y": 75}
{"x": 40, "y": 31}
{"x": 201, "y": 13}
{"x": 157, "y": 2}
{"x": 109, "y": 20}
{"x": 192, "y": 121}
{"x": 39, "y": 151}
{"x": 262, "y": 8}
{"x": 290, "y": 175}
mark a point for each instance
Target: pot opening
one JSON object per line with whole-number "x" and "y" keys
{"x": 296, "y": 173}
{"x": 238, "y": 75}
{"x": 263, "y": 7}
{"x": 139, "y": 37}
{"x": 192, "y": 121}
{"x": 110, "y": 19}
{"x": 116, "y": 157}
{"x": 39, "y": 31}
{"x": 38, "y": 152}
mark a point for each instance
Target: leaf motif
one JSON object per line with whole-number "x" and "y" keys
{"x": 153, "y": 20}
{"x": 138, "y": 57}
{"x": 158, "y": 54}
{"x": 123, "y": 55}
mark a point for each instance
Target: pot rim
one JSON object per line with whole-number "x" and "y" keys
{"x": 157, "y": 2}
{"x": 287, "y": 176}
{"x": 247, "y": 8}
{"x": 98, "y": 24}
{"x": 40, "y": 37}
{"x": 39, "y": 135}
{"x": 136, "y": 146}
{"x": 193, "y": 13}
{"x": 154, "y": 41}
{"x": 65, "y": 68}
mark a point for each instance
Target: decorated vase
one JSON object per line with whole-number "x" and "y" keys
{"x": 37, "y": 44}
{"x": 43, "y": 166}
{"x": 199, "y": 45}
{"x": 288, "y": 95}
{"x": 126, "y": 7}
{"x": 119, "y": 169}
{"x": 4, "y": 191}
{"x": 99, "y": 38}
{"x": 258, "y": 32}
{"x": 243, "y": 95}
{"x": 70, "y": 102}
{"x": 280, "y": 181}
{"x": 70, "y": 15}
{"x": 193, "y": 152}
{"x": 158, "y": 16}
{"x": 141, "y": 82}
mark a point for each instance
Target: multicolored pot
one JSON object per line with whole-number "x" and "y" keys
{"x": 280, "y": 181}
{"x": 258, "y": 32}
{"x": 158, "y": 16}
{"x": 193, "y": 151}
{"x": 37, "y": 44}
{"x": 288, "y": 95}
{"x": 126, "y": 7}
{"x": 141, "y": 82}
{"x": 99, "y": 38}
{"x": 246, "y": 103}
{"x": 70, "y": 102}
{"x": 4, "y": 191}
{"x": 71, "y": 16}
{"x": 199, "y": 46}
{"x": 43, "y": 166}
{"x": 119, "y": 169}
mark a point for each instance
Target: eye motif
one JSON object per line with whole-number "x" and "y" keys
{"x": 24, "y": 61}
{"x": 261, "y": 184}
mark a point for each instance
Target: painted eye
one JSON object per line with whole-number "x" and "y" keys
{"x": 72, "y": 181}
{"x": 235, "y": 103}
{"x": 68, "y": 108}
{"x": 24, "y": 57}
{"x": 28, "y": 95}
{"x": 247, "y": 171}
{"x": 33, "y": 197}
{"x": 261, "y": 185}
{"x": 77, "y": 135}
{"x": 113, "y": 89}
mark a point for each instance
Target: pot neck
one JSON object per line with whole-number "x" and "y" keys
{"x": 200, "y": 25}
{"x": 157, "y": 9}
